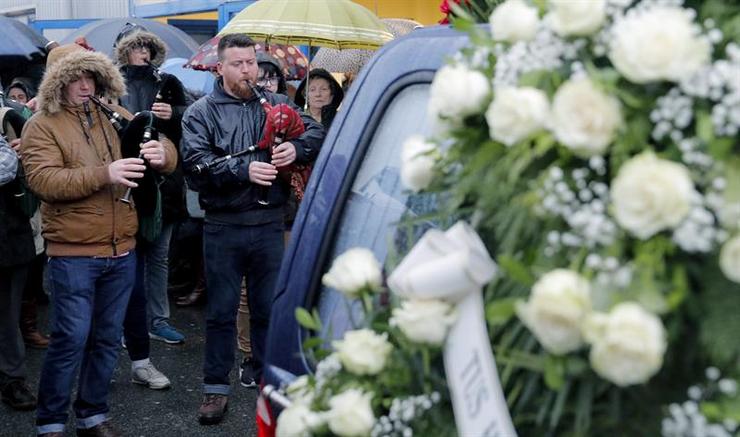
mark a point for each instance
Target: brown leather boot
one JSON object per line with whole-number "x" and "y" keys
{"x": 196, "y": 296}
{"x": 213, "y": 409}
{"x": 104, "y": 429}
{"x": 29, "y": 328}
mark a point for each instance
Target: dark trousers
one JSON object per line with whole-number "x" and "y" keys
{"x": 135, "y": 325}
{"x": 88, "y": 298}
{"x": 12, "y": 349}
{"x": 230, "y": 253}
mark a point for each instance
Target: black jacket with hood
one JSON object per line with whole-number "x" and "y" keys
{"x": 143, "y": 82}
{"x": 329, "y": 111}
{"x": 219, "y": 124}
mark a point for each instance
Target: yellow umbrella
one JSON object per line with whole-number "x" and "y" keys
{"x": 340, "y": 24}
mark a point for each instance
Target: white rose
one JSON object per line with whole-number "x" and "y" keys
{"x": 576, "y": 17}
{"x": 661, "y": 43}
{"x": 300, "y": 390}
{"x": 455, "y": 93}
{"x": 514, "y": 21}
{"x": 557, "y": 306}
{"x": 351, "y": 414}
{"x": 627, "y": 345}
{"x": 417, "y": 163}
{"x": 729, "y": 259}
{"x": 352, "y": 271}
{"x": 650, "y": 194}
{"x": 424, "y": 321}
{"x": 516, "y": 113}
{"x": 298, "y": 421}
{"x": 363, "y": 352}
{"x": 584, "y": 119}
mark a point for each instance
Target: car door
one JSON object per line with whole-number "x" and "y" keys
{"x": 355, "y": 197}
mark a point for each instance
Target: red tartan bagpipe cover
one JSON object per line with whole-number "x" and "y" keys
{"x": 284, "y": 124}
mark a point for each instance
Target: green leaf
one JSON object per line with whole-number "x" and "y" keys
{"x": 305, "y": 319}
{"x": 719, "y": 321}
{"x": 312, "y": 343}
{"x": 557, "y": 410}
{"x": 721, "y": 148}
{"x": 500, "y": 311}
{"x": 534, "y": 79}
{"x": 704, "y": 127}
{"x": 680, "y": 288}
{"x": 515, "y": 270}
{"x": 554, "y": 372}
{"x": 584, "y": 407}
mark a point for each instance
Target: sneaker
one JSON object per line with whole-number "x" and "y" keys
{"x": 17, "y": 395}
{"x": 167, "y": 334}
{"x": 213, "y": 409}
{"x": 149, "y": 376}
{"x": 246, "y": 374}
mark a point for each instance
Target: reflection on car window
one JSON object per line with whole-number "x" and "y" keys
{"x": 377, "y": 200}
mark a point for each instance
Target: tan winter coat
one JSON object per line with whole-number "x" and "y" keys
{"x": 66, "y": 161}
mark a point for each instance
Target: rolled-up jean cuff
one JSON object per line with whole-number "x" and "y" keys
{"x": 51, "y": 427}
{"x": 89, "y": 422}
{"x": 216, "y": 389}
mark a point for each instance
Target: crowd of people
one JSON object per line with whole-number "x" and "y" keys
{"x": 107, "y": 262}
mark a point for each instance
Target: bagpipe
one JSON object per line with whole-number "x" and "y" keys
{"x": 169, "y": 88}
{"x": 282, "y": 124}
{"x": 171, "y": 91}
{"x": 133, "y": 134}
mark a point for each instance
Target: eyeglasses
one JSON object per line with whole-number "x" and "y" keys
{"x": 264, "y": 81}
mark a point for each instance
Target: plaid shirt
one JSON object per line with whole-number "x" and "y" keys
{"x": 8, "y": 162}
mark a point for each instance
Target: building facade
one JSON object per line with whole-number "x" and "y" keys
{"x": 199, "y": 18}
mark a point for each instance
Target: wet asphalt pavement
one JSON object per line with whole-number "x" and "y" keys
{"x": 140, "y": 412}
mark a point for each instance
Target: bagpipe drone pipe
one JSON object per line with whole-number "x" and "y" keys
{"x": 146, "y": 196}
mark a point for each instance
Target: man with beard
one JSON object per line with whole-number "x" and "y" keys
{"x": 241, "y": 235}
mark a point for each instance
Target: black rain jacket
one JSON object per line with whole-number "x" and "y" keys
{"x": 219, "y": 124}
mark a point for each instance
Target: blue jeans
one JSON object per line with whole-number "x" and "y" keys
{"x": 230, "y": 253}
{"x": 88, "y": 300}
{"x": 155, "y": 278}
{"x": 148, "y": 307}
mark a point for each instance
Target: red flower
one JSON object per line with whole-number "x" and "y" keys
{"x": 444, "y": 7}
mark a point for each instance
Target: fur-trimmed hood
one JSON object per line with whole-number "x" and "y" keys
{"x": 108, "y": 80}
{"x": 141, "y": 38}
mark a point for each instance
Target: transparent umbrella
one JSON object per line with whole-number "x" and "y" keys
{"x": 352, "y": 60}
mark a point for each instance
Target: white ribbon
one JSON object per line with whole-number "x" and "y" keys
{"x": 454, "y": 266}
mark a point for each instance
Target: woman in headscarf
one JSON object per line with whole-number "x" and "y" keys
{"x": 324, "y": 96}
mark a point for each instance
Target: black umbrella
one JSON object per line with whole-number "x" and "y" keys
{"x": 20, "y": 48}
{"x": 101, "y": 35}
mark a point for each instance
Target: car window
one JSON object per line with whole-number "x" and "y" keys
{"x": 377, "y": 200}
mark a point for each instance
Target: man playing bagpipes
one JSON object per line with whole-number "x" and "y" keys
{"x": 139, "y": 54}
{"x": 73, "y": 159}
{"x": 244, "y": 200}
